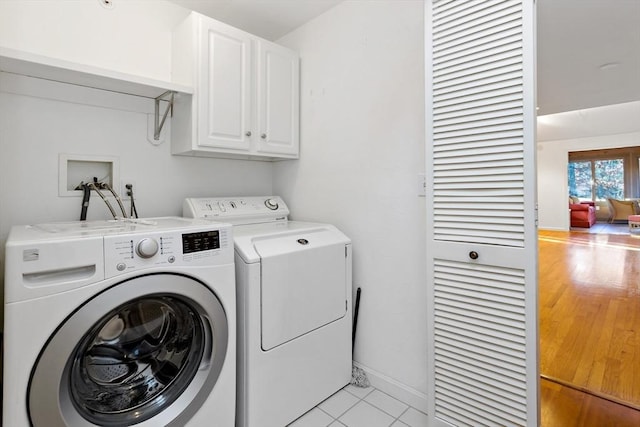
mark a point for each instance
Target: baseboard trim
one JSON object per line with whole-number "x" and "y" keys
{"x": 552, "y": 229}
{"x": 395, "y": 388}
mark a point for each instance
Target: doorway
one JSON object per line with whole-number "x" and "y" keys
{"x": 589, "y": 313}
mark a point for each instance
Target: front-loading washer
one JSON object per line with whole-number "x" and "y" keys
{"x": 114, "y": 323}
{"x": 294, "y": 296}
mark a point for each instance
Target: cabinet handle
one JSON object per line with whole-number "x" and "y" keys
{"x": 473, "y": 255}
{"x": 248, "y": 133}
{"x": 263, "y": 136}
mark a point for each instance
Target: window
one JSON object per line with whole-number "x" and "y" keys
{"x": 610, "y": 172}
{"x": 597, "y": 179}
{"x": 581, "y": 180}
{"x": 609, "y": 181}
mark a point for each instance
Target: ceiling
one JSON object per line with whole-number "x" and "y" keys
{"x": 588, "y": 53}
{"x": 588, "y": 50}
{"x": 269, "y": 19}
{"x": 590, "y": 122}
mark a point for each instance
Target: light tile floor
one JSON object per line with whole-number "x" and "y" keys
{"x": 361, "y": 407}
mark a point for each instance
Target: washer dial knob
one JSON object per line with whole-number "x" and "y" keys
{"x": 147, "y": 247}
{"x": 271, "y": 204}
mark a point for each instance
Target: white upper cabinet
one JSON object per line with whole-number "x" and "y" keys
{"x": 224, "y": 88}
{"x": 246, "y": 93}
{"x": 278, "y": 97}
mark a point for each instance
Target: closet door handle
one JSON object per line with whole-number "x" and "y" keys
{"x": 248, "y": 133}
{"x": 263, "y": 136}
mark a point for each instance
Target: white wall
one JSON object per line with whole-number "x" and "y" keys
{"x": 362, "y": 147}
{"x": 553, "y": 212}
{"x": 362, "y": 133}
{"x": 39, "y": 120}
{"x": 132, "y": 37}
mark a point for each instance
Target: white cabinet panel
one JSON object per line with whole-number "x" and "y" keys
{"x": 224, "y": 88}
{"x": 278, "y": 99}
{"x": 246, "y": 98}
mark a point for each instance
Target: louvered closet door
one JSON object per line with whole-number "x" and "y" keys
{"x": 482, "y": 243}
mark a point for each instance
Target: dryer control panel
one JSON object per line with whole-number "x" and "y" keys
{"x": 132, "y": 252}
{"x": 237, "y": 210}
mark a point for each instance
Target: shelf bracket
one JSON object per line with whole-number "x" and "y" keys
{"x": 159, "y": 124}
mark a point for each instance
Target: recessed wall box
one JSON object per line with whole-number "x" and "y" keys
{"x": 75, "y": 169}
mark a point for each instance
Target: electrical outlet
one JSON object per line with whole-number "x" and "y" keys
{"x": 422, "y": 185}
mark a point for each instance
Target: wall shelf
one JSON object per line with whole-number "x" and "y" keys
{"x": 43, "y": 67}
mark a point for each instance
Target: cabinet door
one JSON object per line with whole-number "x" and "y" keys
{"x": 224, "y": 87}
{"x": 481, "y": 213}
{"x": 278, "y": 96}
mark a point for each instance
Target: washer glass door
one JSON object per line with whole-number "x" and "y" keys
{"x": 148, "y": 348}
{"x": 130, "y": 353}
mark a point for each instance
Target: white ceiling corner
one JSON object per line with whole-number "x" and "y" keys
{"x": 269, "y": 19}
{"x": 590, "y": 122}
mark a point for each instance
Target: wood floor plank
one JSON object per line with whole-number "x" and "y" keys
{"x": 589, "y": 311}
{"x": 563, "y": 406}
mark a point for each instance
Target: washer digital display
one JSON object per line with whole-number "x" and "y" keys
{"x": 200, "y": 241}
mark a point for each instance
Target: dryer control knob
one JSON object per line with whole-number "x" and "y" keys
{"x": 147, "y": 248}
{"x": 271, "y": 204}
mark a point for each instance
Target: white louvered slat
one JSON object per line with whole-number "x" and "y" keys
{"x": 474, "y": 115}
{"x": 511, "y": 356}
{"x": 471, "y": 138}
{"x": 448, "y": 11}
{"x": 466, "y": 141}
{"x": 479, "y": 362}
{"x": 502, "y": 176}
{"x": 481, "y": 254}
{"x": 456, "y": 234}
{"x": 492, "y": 101}
{"x": 469, "y": 20}
{"x": 480, "y": 64}
{"x": 456, "y": 376}
{"x": 465, "y": 127}
{"x": 482, "y": 105}
{"x": 506, "y": 137}
{"x": 491, "y": 38}
{"x": 487, "y": 132}
{"x": 482, "y": 54}
{"x": 454, "y": 145}
{"x": 478, "y": 165}
{"x": 489, "y": 171}
{"x": 485, "y": 305}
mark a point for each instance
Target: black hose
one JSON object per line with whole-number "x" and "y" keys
{"x": 355, "y": 321}
{"x": 134, "y": 211}
{"x": 86, "y": 194}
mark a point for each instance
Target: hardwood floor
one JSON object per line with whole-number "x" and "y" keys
{"x": 589, "y": 304}
{"x": 604, "y": 228}
{"x": 566, "y": 407}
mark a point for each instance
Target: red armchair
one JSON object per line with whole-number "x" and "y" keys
{"x": 583, "y": 214}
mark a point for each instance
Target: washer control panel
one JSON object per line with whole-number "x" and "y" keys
{"x": 237, "y": 210}
{"x": 200, "y": 246}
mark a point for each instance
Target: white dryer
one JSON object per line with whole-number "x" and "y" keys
{"x": 294, "y": 308}
{"x": 113, "y": 323}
